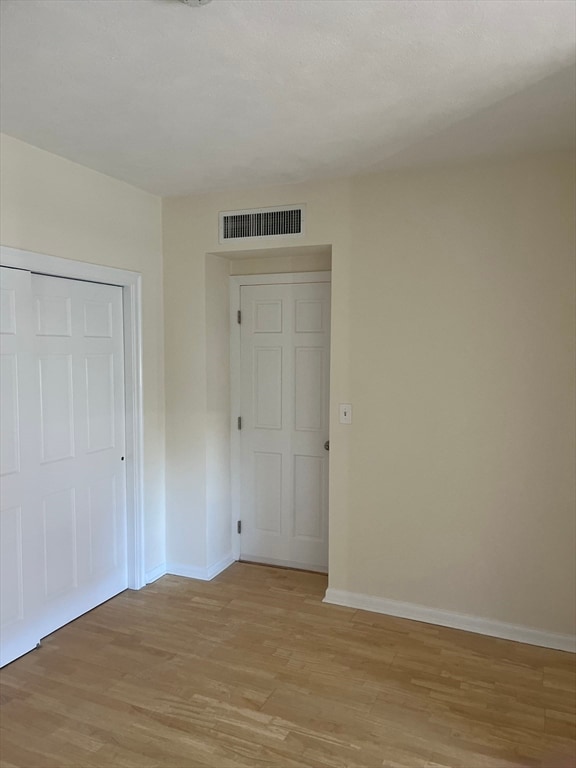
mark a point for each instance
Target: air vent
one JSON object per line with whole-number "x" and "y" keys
{"x": 262, "y": 222}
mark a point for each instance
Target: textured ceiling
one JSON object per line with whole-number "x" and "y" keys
{"x": 176, "y": 99}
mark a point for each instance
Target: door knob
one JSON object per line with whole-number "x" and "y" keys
{"x": 327, "y": 445}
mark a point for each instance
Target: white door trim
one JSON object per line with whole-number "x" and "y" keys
{"x": 236, "y": 283}
{"x": 131, "y": 284}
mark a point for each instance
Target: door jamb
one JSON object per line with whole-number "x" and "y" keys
{"x": 131, "y": 284}
{"x": 236, "y": 283}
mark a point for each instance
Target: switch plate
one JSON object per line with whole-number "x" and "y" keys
{"x": 345, "y": 413}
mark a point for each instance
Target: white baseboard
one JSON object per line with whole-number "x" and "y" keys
{"x": 204, "y": 574}
{"x": 221, "y": 565}
{"x": 476, "y": 624}
{"x": 155, "y": 573}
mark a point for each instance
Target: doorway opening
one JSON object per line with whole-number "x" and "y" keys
{"x": 303, "y": 488}
{"x": 281, "y": 379}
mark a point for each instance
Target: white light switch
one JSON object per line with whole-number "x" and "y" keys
{"x": 345, "y": 413}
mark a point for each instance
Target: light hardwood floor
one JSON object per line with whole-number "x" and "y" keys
{"x": 253, "y": 670}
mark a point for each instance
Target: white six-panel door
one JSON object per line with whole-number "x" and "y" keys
{"x": 285, "y": 363}
{"x": 63, "y": 509}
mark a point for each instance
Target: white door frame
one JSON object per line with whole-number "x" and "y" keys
{"x": 131, "y": 284}
{"x": 236, "y": 284}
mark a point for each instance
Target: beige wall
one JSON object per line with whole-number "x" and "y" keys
{"x": 312, "y": 262}
{"x": 462, "y": 463}
{"x": 453, "y": 337}
{"x": 218, "y": 520}
{"x": 53, "y": 206}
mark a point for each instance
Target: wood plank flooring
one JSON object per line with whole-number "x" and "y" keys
{"x": 253, "y": 670}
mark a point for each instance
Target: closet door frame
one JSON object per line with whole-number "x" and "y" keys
{"x": 131, "y": 284}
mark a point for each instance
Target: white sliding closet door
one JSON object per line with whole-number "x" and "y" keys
{"x": 20, "y": 540}
{"x": 63, "y": 507}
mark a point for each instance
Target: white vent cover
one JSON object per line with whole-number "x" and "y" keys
{"x": 284, "y": 221}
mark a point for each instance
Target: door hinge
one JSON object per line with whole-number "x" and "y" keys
{"x": 239, "y": 526}
{"x": 239, "y": 317}
{"x": 239, "y": 422}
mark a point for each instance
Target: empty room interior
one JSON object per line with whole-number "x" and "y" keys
{"x": 288, "y": 365}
